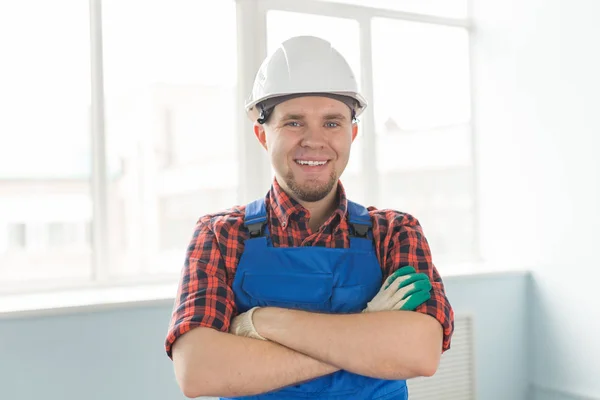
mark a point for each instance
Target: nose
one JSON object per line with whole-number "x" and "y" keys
{"x": 314, "y": 137}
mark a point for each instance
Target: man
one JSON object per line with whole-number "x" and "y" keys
{"x": 305, "y": 294}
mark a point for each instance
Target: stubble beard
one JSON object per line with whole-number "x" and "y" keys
{"x": 312, "y": 190}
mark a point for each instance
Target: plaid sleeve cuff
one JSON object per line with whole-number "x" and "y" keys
{"x": 209, "y": 311}
{"x": 439, "y": 308}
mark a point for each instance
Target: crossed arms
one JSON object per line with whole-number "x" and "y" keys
{"x": 209, "y": 361}
{"x": 302, "y": 346}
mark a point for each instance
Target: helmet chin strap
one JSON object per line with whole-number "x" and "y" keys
{"x": 264, "y": 114}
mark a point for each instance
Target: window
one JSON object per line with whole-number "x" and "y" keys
{"x": 17, "y": 234}
{"x": 170, "y": 96}
{"x": 422, "y": 121}
{"x": 167, "y": 125}
{"x": 44, "y": 131}
{"x": 66, "y": 235}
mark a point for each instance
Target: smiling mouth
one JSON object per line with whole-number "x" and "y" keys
{"x": 311, "y": 163}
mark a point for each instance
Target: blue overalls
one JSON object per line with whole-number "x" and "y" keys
{"x": 314, "y": 279}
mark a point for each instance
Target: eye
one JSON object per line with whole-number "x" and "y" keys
{"x": 332, "y": 124}
{"x": 292, "y": 124}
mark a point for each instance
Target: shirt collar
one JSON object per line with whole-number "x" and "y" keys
{"x": 285, "y": 207}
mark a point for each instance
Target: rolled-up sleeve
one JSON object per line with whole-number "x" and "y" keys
{"x": 408, "y": 246}
{"x": 203, "y": 297}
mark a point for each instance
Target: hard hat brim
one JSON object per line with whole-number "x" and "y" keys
{"x": 361, "y": 103}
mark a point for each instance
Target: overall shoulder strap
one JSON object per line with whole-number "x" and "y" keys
{"x": 359, "y": 219}
{"x": 256, "y": 217}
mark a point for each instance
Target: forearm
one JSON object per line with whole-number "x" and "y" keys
{"x": 386, "y": 345}
{"x": 212, "y": 363}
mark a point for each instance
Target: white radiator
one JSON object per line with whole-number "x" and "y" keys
{"x": 455, "y": 377}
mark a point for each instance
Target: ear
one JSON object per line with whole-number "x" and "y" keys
{"x": 354, "y": 131}
{"x": 259, "y": 132}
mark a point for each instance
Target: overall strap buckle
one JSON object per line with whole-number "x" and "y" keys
{"x": 256, "y": 218}
{"x": 359, "y": 219}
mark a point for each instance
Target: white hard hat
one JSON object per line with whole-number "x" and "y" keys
{"x": 304, "y": 65}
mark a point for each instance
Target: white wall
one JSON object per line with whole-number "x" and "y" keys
{"x": 501, "y": 348}
{"x": 537, "y": 97}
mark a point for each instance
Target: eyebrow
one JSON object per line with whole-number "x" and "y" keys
{"x": 325, "y": 117}
{"x": 335, "y": 116}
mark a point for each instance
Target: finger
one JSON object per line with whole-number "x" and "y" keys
{"x": 409, "y": 279}
{"x": 237, "y": 324}
{"x": 398, "y": 296}
{"x": 393, "y": 286}
{"x": 400, "y": 281}
{"x": 407, "y": 291}
{"x": 424, "y": 285}
{"x": 406, "y": 270}
{"x": 413, "y": 301}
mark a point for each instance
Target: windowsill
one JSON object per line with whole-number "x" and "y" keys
{"x": 478, "y": 270}
{"x": 85, "y": 300}
{"x": 106, "y": 298}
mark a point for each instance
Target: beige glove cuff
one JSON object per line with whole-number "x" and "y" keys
{"x": 251, "y": 327}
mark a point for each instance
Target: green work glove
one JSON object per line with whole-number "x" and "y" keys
{"x": 405, "y": 290}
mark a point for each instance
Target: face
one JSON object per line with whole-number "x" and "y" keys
{"x": 308, "y": 140}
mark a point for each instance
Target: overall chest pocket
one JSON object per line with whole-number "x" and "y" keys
{"x": 350, "y": 299}
{"x": 306, "y": 291}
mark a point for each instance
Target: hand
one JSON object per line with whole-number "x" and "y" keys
{"x": 242, "y": 325}
{"x": 403, "y": 290}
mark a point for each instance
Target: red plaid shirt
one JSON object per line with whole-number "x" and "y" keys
{"x": 205, "y": 297}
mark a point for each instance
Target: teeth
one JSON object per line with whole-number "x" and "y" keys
{"x": 311, "y": 163}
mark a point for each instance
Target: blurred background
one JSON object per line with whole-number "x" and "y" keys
{"x": 122, "y": 122}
